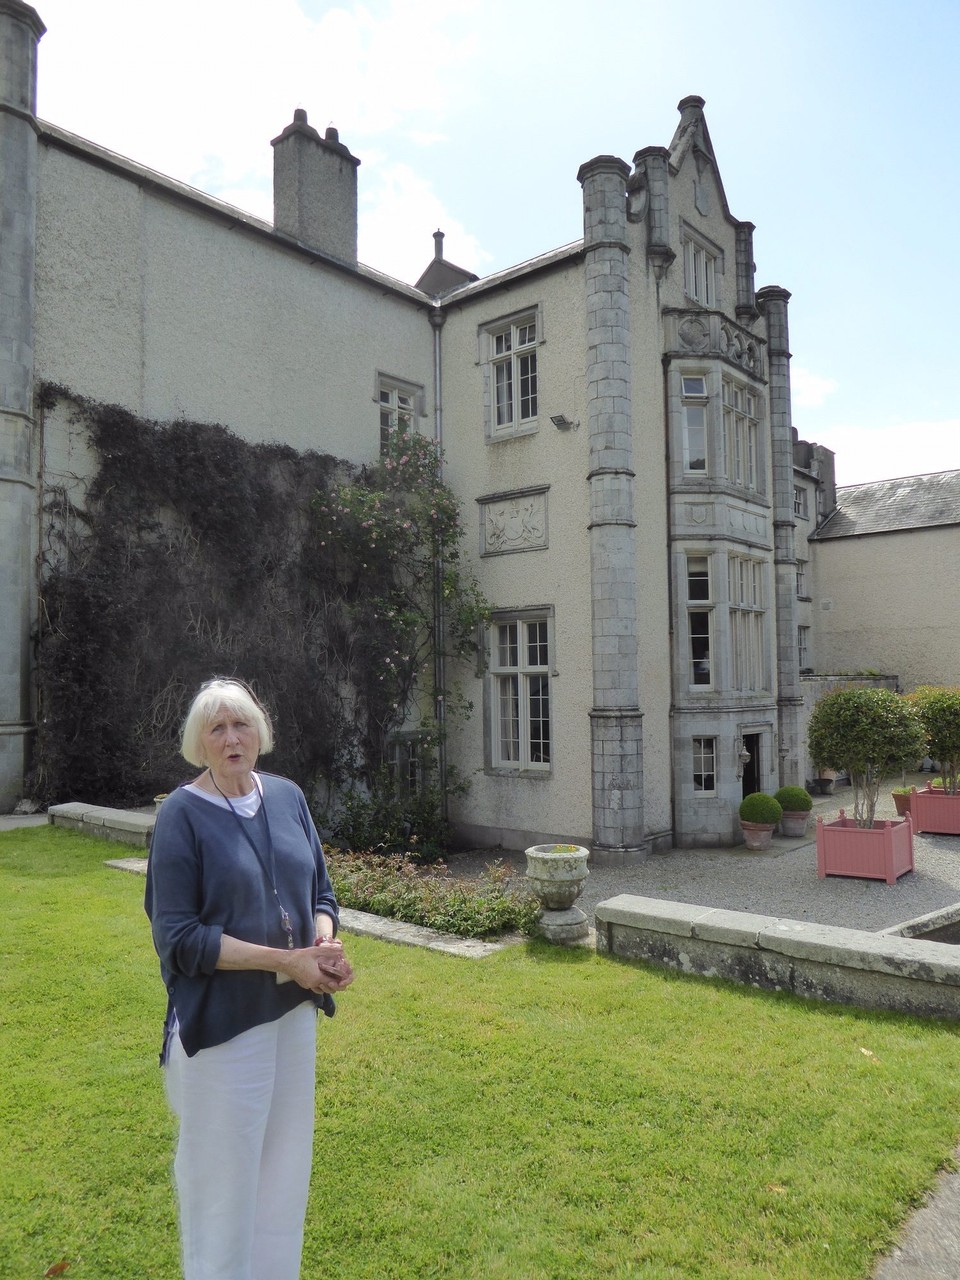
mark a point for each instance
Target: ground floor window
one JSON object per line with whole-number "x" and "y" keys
{"x": 520, "y": 711}
{"x": 803, "y": 647}
{"x": 405, "y": 762}
{"x": 705, "y": 766}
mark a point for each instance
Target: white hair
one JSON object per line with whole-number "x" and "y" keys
{"x": 238, "y": 699}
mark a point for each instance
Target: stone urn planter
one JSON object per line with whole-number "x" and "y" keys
{"x": 881, "y": 852}
{"x": 934, "y": 809}
{"x": 557, "y": 873}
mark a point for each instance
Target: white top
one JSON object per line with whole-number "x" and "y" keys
{"x": 246, "y": 806}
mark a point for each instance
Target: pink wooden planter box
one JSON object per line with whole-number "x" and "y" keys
{"x": 883, "y": 852}
{"x": 931, "y": 810}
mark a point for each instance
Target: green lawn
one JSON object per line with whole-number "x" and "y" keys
{"x": 539, "y": 1115}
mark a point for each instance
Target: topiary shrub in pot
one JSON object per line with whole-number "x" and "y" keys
{"x": 796, "y": 803}
{"x": 937, "y": 807}
{"x": 870, "y": 733}
{"x": 759, "y": 814}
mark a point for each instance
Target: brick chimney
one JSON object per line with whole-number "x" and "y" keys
{"x": 315, "y": 189}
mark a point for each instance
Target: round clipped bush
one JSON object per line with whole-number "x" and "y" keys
{"x": 794, "y": 799}
{"x": 870, "y": 732}
{"x": 759, "y": 807}
{"x": 939, "y": 710}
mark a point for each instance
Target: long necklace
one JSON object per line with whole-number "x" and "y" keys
{"x": 271, "y": 872}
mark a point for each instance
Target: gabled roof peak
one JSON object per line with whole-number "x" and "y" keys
{"x": 691, "y": 132}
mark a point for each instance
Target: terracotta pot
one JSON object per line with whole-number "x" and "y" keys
{"x": 794, "y": 822}
{"x": 757, "y": 835}
{"x": 901, "y": 802}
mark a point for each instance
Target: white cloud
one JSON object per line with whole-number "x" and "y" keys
{"x": 866, "y": 453}
{"x": 222, "y": 77}
{"x": 809, "y": 390}
{"x": 399, "y": 213}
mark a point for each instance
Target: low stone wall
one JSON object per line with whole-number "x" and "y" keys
{"x": 847, "y": 966}
{"x": 109, "y": 824}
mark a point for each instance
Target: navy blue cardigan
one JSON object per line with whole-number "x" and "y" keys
{"x": 204, "y": 880}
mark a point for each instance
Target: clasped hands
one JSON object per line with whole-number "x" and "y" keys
{"x": 322, "y": 968}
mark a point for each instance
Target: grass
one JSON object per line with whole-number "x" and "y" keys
{"x": 539, "y": 1115}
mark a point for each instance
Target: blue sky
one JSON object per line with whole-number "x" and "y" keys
{"x": 833, "y": 122}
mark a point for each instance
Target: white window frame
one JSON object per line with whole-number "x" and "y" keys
{"x": 509, "y": 354}
{"x": 405, "y": 763}
{"x": 802, "y": 580}
{"x": 800, "y": 501}
{"x": 520, "y": 691}
{"x": 699, "y": 620}
{"x": 748, "y": 625}
{"x": 741, "y": 433}
{"x": 704, "y": 765}
{"x": 400, "y": 404}
{"x": 695, "y": 401}
{"x": 702, "y": 267}
{"x": 803, "y": 647}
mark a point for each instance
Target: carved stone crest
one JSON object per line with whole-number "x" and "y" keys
{"x": 513, "y": 522}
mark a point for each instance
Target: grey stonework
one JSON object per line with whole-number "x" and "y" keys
{"x": 773, "y": 303}
{"x": 616, "y": 728}
{"x": 20, "y": 30}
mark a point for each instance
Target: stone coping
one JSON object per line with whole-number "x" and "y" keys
{"x": 850, "y": 966}
{"x": 123, "y": 825}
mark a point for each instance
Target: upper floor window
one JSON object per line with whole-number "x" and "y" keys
{"x": 702, "y": 262}
{"x": 694, "y": 393}
{"x": 520, "y": 713}
{"x": 799, "y": 501}
{"x": 398, "y": 403}
{"x": 513, "y": 380}
{"x": 699, "y": 620}
{"x": 741, "y": 433}
{"x": 747, "y": 624}
{"x": 801, "y": 579}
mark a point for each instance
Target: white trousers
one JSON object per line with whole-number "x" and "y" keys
{"x": 243, "y": 1159}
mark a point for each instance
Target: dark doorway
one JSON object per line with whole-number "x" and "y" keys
{"x": 751, "y": 768}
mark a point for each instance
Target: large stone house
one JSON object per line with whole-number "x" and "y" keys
{"x": 615, "y": 416}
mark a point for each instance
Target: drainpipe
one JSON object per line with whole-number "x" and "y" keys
{"x": 439, "y": 665}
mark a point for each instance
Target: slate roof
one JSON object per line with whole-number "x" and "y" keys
{"x": 894, "y": 506}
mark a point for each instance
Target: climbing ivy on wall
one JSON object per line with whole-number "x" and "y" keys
{"x": 194, "y": 553}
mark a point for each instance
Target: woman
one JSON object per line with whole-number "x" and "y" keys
{"x": 244, "y": 922}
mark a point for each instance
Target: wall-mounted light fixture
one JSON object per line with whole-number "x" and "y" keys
{"x": 562, "y": 422}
